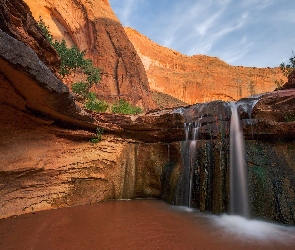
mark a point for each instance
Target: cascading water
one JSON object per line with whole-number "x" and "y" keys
{"x": 186, "y": 183}
{"x": 239, "y": 199}
{"x": 195, "y": 132}
{"x": 187, "y": 130}
{"x": 212, "y": 185}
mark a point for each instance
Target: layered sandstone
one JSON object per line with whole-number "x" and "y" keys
{"x": 16, "y": 21}
{"x": 199, "y": 78}
{"x": 45, "y": 167}
{"x": 27, "y": 85}
{"x": 92, "y": 26}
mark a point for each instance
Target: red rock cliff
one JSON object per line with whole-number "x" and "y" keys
{"x": 199, "y": 78}
{"x": 92, "y": 26}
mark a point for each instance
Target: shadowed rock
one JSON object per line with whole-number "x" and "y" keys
{"x": 35, "y": 87}
{"x": 17, "y": 21}
{"x": 291, "y": 81}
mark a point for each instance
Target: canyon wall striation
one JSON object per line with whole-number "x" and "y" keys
{"x": 199, "y": 78}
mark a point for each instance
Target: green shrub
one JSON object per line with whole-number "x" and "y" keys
{"x": 288, "y": 68}
{"x": 71, "y": 58}
{"x": 95, "y": 104}
{"x": 124, "y": 107}
{"x": 99, "y": 132}
{"x": 81, "y": 89}
{"x": 45, "y": 30}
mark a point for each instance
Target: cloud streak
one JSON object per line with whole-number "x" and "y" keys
{"x": 245, "y": 32}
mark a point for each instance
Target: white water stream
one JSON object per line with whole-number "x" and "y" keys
{"x": 239, "y": 198}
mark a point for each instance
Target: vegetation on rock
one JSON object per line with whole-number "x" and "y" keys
{"x": 290, "y": 117}
{"x": 73, "y": 60}
{"x": 286, "y": 70}
{"x": 99, "y": 132}
{"x": 124, "y": 107}
{"x": 93, "y": 103}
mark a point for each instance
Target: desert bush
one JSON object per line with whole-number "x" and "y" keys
{"x": 124, "y": 107}
{"x": 99, "y": 132}
{"x": 72, "y": 59}
{"x": 93, "y": 103}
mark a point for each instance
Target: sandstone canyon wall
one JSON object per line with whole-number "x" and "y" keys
{"x": 199, "y": 78}
{"x": 92, "y": 26}
{"x": 45, "y": 160}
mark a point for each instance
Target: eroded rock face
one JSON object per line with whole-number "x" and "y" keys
{"x": 163, "y": 126}
{"x": 199, "y": 78}
{"x": 92, "y": 26}
{"x": 28, "y": 85}
{"x": 274, "y": 116}
{"x": 17, "y": 21}
{"x": 45, "y": 167}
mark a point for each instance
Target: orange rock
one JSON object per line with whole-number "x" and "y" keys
{"x": 92, "y": 26}
{"x": 17, "y": 21}
{"x": 199, "y": 78}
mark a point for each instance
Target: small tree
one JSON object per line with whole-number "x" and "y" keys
{"x": 288, "y": 68}
{"x": 72, "y": 60}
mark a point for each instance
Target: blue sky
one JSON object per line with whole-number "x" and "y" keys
{"x": 258, "y": 33}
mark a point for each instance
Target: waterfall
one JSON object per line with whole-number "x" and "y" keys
{"x": 239, "y": 199}
{"x": 187, "y": 130}
{"x": 185, "y": 186}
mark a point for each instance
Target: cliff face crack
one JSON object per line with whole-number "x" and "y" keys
{"x": 119, "y": 54}
{"x": 117, "y": 77}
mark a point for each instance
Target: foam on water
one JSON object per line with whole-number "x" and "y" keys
{"x": 255, "y": 229}
{"x": 240, "y": 227}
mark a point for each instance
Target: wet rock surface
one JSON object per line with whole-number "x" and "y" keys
{"x": 271, "y": 169}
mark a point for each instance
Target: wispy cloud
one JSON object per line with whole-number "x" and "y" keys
{"x": 240, "y": 32}
{"x": 228, "y": 29}
{"x": 238, "y": 51}
{"x": 208, "y": 23}
{"x": 220, "y": 31}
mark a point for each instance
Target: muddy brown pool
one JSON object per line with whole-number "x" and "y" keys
{"x": 139, "y": 224}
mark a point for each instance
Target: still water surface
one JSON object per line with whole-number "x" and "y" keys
{"x": 139, "y": 224}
